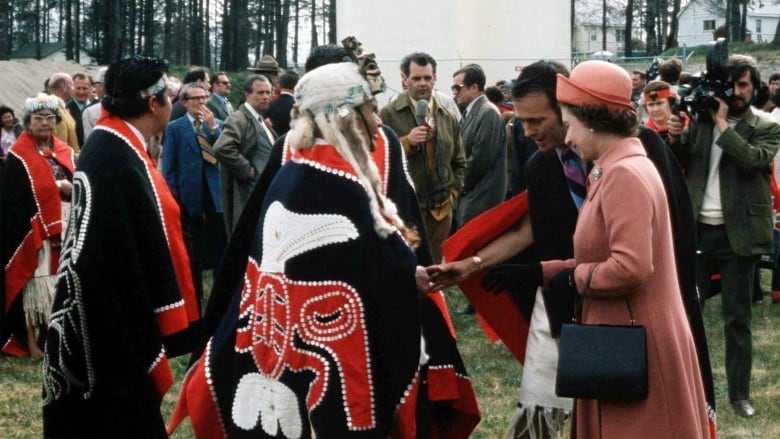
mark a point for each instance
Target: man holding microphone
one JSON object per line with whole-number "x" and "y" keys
{"x": 431, "y": 140}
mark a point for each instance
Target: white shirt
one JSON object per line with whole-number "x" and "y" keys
{"x": 711, "y": 208}
{"x": 259, "y": 120}
{"x": 137, "y": 134}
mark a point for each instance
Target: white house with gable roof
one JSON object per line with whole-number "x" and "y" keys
{"x": 699, "y": 19}
{"x": 588, "y": 33}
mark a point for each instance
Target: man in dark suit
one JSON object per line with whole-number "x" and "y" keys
{"x": 82, "y": 94}
{"x": 482, "y": 130}
{"x": 278, "y": 113}
{"x": 727, "y": 154}
{"x": 218, "y": 102}
{"x": 244, "y": 147}
{"x": 190, "y": 169}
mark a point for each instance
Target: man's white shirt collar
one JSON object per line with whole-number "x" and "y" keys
{"x": 137, "y": 134}
{"x": 252, "y": 111}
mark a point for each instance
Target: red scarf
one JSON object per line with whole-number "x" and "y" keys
{"x": 44, "y": 186}
{"x": 171, "y": 320}
{"x": 380, "y": 155}
{"x": 46, "y": 221}
{"x": 650, "y": 124}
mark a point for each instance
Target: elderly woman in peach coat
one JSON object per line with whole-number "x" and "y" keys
{"x": 624, "y": 237}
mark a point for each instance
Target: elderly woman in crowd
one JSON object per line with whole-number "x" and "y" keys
{"x": 623, "y": 242}
{"x": 34, "y": 210}
{"x": 10, "y": 130}
{"x": 124, "y": 297}
{"x": 658, "y": 100}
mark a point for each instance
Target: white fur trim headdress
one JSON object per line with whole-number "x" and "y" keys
{"x": 325, "y": 100}
{"x": 331, "y": 87}
{"x": 41, "y": 102}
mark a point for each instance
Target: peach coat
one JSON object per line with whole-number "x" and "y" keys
{"x": 624, "y": 232}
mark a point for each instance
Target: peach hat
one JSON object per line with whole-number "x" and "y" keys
{"x": 596, "y": 83}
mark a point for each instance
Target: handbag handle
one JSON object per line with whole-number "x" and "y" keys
{"x": 578, "y": 310}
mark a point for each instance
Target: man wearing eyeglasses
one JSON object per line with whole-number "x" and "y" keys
{"x": 482, "y": 130}
{"x": 431, "y": 140}
{"x": 198, "y": 75}
{"x": 218, "y": 103}
{"x": 190, "y": 169}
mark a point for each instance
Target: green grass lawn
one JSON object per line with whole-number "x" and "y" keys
{"x": 494, "y": 372}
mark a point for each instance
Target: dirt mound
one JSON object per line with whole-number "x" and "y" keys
{"x": 24, "y": 78}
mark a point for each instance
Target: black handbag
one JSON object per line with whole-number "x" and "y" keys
{"x": 602, "y": 361}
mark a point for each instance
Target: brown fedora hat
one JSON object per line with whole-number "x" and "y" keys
{"x": 265, "y": 64}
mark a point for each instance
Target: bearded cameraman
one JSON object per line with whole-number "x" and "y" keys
{"x": 727, "y": 154}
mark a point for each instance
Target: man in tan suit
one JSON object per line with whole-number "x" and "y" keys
{"x": 432, "y": 145}
{"x": 61, "y": 85}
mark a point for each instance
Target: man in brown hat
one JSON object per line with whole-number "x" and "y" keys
{"x": 268, "y": 67}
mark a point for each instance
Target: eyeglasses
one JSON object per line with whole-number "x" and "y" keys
{"x": 47, "y": 118}
{"x": 456, "y": 88}
{"x": 197, "y": 98}
{"x": 222, "y": 82}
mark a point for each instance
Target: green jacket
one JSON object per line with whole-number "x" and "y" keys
{"x": 745, "y": 169}
{"x": 446, "y": 178}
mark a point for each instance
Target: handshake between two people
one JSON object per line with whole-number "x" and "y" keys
{"x": 520, "y": 281}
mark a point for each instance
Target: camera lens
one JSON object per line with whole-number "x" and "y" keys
{"x": 705, "y": 103}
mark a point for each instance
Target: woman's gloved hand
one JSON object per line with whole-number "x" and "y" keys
{"x": 519, "y": 280}
{"x": 559, "y": 300}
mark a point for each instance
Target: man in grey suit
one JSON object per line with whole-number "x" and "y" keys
{"x": 243, "y": 148}
{"x": 218, "y": 103}
{"x": 482, "y": 130}
{"x": 727, "y": 154}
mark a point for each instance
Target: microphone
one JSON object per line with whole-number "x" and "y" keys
{"x": 420, "y": 111}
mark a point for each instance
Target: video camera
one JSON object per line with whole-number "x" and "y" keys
{"x": 699, "y": 96}
{"x": 652, "y": 72}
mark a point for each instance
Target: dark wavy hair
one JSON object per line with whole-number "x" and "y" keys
{"x": 126, "y": 79}
{"x": 599, "y": 118}
{"x": 540, "y": 77}
{"x": 5, "y": 109}
{"x": 738, "y": 65}
{"x": 419, "y": 58}
{"x": 326, "y": 54}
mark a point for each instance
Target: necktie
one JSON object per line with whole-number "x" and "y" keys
{"x": 228, "y": 106}
{"x": 205, "y": 146}
{"x": 267, "y": 131}
{"x": 575, "y": 176}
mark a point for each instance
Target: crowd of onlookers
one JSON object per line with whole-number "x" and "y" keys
{"x": 544, "y": 134}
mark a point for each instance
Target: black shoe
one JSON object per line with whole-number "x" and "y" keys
{"x": 743, "y": 408}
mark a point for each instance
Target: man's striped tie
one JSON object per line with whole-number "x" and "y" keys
{"x": 206, "y": 151}
{"x": 575, "y": 176}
